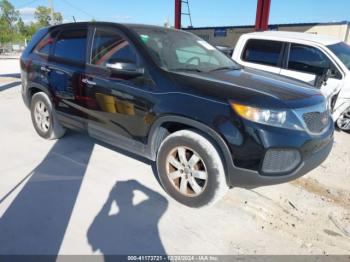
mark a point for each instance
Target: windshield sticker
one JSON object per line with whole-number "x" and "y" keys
{"x": 206, "y": 45}
{"x": 144, "y": 38}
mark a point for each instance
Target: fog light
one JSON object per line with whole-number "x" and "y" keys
{"x": 277, "y": 161}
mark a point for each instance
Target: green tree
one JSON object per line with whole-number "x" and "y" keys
{"x": 8, "y": 18}
{"x": 43, "y": 17}
{"x": 9, "y": 15}
{"x": 12, "y": 27}
{"x": 22, "y": 28}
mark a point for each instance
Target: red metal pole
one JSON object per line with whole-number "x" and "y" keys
{"x": 265, "y": 16}
{"x": 258, "y": 15}
{"x": 178, "y": 11}
{"x": 262, "y": 15}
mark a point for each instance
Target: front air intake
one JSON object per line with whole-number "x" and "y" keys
{"x": 279, "y": 161}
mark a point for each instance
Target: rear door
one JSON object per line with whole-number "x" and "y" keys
{"x": 305, "y": 63}
{"x": 66, "y": 68}
{"x": 37, "y": 68}
{"x": 263, "y": 54}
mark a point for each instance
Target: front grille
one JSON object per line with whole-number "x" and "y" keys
{"x": 316, "y": 122}
{"x": 279, "y": 161}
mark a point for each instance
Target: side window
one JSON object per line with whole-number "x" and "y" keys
{"x": 111, "y": 47}
{"x": 308, "y": 59}
{"x": 44, "y": 46}
{"x": 71, "y": 45}
{"x": 262, "y": 52}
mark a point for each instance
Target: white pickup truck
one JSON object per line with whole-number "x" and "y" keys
{"x": 322, "y": 61}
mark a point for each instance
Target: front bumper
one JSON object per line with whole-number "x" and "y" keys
{"x": 313, "y": 151}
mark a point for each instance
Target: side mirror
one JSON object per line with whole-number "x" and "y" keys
{"x": 333, "y": 73}
{"x": 128, "y": 70}
{"x": 321, "y": 79}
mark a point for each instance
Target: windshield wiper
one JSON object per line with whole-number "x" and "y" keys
{"x": 188, "y": 69}
{"x": 224, "y": 68}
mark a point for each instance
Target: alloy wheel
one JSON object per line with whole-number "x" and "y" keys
{"x": 186, "y": 171}
{"x": 42, "y": 116}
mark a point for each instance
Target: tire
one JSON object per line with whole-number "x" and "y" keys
{"x": 41, "y": 109}
{"x": 343, "y": 122}
{"x": 194, "y": 185}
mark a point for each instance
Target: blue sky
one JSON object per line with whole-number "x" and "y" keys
{"x": 204, "y": 12}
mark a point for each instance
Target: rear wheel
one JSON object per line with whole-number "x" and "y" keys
{"x": 343, "y": 122}
{"x": 44, "y": 118}
{"x": 190, "y": 169}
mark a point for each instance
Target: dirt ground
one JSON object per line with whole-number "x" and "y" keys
{"x": 54, "y": 195}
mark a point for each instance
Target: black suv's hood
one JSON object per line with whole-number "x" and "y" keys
{"x": 252, "y": 87}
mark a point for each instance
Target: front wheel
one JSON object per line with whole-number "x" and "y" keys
{"x": 190, "y": 169}
{"x": 343, "y": 122}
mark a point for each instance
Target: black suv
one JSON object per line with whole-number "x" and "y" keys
{"x": 171, "y": 97}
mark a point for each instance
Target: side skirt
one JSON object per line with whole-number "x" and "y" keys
{"x": 106, "y": 136}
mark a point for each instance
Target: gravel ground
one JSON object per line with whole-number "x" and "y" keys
{"x": 77, "y": 196}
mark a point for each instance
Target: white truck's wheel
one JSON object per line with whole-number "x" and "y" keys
{"x": 343, "y": 122}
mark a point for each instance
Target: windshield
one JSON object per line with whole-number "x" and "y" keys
{"x": 342, "y": 51}
{"x": 175, "y": 50}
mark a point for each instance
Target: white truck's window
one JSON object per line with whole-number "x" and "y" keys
{"x": 342, "y": 51}
{"x": 264, "y": 52}
{"x": 307, "y": 59}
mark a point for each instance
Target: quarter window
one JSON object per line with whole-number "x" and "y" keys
{"x": 308, "y": 59}
{"x": 71, "y": 45}
{"x": 262, "y": 52}
{"x": 45, "y": 44}
{"x": 111, "y": 47}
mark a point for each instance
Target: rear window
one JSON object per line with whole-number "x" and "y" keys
{"x": 71, "y": 45}
{"x": 262, "y": 52}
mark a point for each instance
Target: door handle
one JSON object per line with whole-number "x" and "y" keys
{"x": 45, "y": 69}
{"x": 88, "y": 82}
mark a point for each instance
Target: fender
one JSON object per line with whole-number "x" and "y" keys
{"x": 213, "y": 135}
{"x": 33, "y": 85}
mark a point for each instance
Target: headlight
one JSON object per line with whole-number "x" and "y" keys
{"x": 272, "y": 117}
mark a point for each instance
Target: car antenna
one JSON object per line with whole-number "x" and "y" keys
{"x": 74, "y": 19}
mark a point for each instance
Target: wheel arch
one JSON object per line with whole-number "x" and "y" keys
{"x": 35, "y": 88}
{"x": 159, "y": 131}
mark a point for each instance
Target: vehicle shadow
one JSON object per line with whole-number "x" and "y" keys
{"x": 14, "y": 75}
{"x": 36, "y": 220}
{"x": 9, "y": 85}
{"x": 133, "y": 229}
